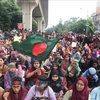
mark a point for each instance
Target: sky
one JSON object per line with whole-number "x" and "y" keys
{"x": 65, "y": 9}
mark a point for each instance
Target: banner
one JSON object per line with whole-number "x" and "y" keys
{"x": 20, "y": 26}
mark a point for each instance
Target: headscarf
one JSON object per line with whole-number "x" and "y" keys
{"x": 11, "y": 74}
{"x": 79, "y": 56}
{"x": 88, "y": 59}
{"x": 77, "y": 67}
{"x": 13, "y": 58}
{"x": 55, "y": 72}
{"x": 75, "y": 61}
{"x": 80, "y": 95}
{"x": 94, "y": 56}
{"x": 55, "y": 85}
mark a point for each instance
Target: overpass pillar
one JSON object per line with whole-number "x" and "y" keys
{"x": 39, "y": 22}
{"x": 43, "y": 26}
{"x": 27, "y": 8}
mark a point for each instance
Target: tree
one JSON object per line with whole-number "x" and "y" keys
{"x": 74, "y": 24}
{"x": 10, "y": 15}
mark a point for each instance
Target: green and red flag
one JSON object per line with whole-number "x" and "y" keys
{"x": 36, "y": 46}
{"x": 89, "y": 31}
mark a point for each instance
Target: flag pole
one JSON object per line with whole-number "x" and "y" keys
{"x": 87, "y": 24}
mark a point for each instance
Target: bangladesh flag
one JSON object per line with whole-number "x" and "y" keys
{"x": 89, "y": 31}
{"x": 36, "y": 46}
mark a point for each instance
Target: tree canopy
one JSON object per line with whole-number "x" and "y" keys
{"x": 74, "y": 24}
{"x": 11, "y": 15}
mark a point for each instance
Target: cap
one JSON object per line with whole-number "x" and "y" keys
{"x": 92, "y": 70}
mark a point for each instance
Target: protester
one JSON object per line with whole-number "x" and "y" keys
{"x": 73, "y": 55}
{"x": 1, "y": 93}
{"x": 55, "y": 66}
{"x": 56, "y": 83}
{"x": 70, "y": 78}
{"x": 77, "y": 56}
{"x": 78, "y": 91}
{"x": 91, "y": 76}
{"x": 12, "y": 72}
{"x": 74, "y": 65}
{"x": 16, "y": 92}
{"x": 3, "y": 71}
{"x": 66, "y": 62}
{"x": 58, "y": 59}
{"x": 41, "y": 89}
{"x": 95, "y": 93}
{"x": 83, "y": 65}
{"x": 33, "y": 73}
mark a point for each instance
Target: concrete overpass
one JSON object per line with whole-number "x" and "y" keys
{"x": 37, "y": 9}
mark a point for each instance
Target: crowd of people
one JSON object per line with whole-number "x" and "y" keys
{"x": 71, "y": 72}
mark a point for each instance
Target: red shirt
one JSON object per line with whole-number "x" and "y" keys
{"x": 34, "y": 77}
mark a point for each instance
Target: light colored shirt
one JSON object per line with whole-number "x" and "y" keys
{"x": 95, "y": 93}
{"x": 33, "y": 92}
{"x": 85, "y": 74}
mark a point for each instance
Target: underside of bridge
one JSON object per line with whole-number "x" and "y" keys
{"x": 38, "y": 9}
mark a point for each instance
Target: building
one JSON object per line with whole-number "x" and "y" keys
{"x": 96, "y": 17}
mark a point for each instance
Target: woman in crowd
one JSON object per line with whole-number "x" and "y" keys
{"x": 1, "y": 92}
{"x": 77, "y": 56}
{"x": 47, "y": 64}
{"x": 3, "y": 71}
{"x": 74, "y": 65}
{"x": 89, "y": 60}
{"x": 13, "y": 56}
{"x": 33, "y": 73}
{"x": 62, "y": 73}
{"x": 94, "y": 54}
{"x": 78, "y": 91}
{"x": 66, "y": 62}
{"x": 56, "y": 83}
{"x": 70, "y": 78}
{"x": 58, "y": 59}
{"x": 82, "y": 64}
{"x": 12, "y": 72}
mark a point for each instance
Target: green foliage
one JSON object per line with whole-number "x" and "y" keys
{"x": 74, "y": 24}
{"x": 10, "y": 15}
{"x": 34, "y": 25}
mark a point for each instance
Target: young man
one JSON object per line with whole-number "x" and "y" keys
{"x": 41, "y": 91}
{"x": 16, "y": 92}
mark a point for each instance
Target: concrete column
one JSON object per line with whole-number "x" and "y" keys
{"x": 43, "y": 26}
{"x": 39, "y": 22}
{"x": 27, "y": 8}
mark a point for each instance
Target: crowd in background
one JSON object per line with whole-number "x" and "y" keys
{"x": 71, "y": 72}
